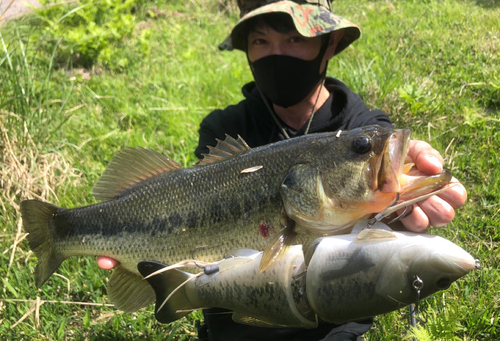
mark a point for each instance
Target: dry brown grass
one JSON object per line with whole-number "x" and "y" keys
{"x": 25, "y": 173}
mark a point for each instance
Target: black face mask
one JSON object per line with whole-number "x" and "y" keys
{"x": 287, "y": 80}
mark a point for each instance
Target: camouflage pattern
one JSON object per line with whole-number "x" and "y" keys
{"x": 247, "y": 6}
{"x": 311, "y": 18}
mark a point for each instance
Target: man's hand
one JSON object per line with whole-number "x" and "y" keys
{"x": 439, "y": 209}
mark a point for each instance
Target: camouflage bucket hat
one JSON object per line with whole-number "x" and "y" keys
{"x": 311, "y": 18}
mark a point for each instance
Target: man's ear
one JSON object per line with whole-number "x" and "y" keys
{"x": 335, "y": 37}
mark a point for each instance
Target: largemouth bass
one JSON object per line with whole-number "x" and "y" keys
{"x": 265, "y": 198}
{"x": 349, "y": 277}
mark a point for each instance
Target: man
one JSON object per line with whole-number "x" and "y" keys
{"x": 281, "y": 61}
{"x": 288, "y": 45}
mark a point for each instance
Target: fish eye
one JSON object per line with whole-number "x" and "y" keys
{"x": 362, "y": 144}
{"x": 443, "y": 283}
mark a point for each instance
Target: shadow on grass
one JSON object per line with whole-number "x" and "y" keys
{"x": 113, "y": 336}
{"x": 106, "y": 336}
{"x": 147, "y": 332}
{"x": 488, "y": 3}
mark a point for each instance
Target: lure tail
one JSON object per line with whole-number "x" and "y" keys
{"x": 172, "y": 301}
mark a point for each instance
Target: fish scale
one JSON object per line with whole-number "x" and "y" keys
{"x": 236, "y": 197}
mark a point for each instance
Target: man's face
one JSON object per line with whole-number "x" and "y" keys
{"x": 264, "y": 41}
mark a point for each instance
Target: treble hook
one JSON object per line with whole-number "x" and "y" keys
{"x": 418, "y": 284}
{"x": 208, "y": 269}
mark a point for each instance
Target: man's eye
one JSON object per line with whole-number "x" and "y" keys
{"x": 258, "y": 41}
{"x": 296, "y": 39}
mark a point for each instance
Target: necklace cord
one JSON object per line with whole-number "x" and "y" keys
{"x": 275, "y": 118}
{"x": 314, "y": 107}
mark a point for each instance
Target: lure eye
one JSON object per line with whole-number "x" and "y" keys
{"x": 443, "y": 283}
{"x": 362, "y": 144}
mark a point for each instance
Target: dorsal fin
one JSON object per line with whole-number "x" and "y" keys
{"x": 225, "y": 150}
{"x": 128, "y": 167}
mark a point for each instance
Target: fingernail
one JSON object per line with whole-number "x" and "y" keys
{"x": 435, "y": 162}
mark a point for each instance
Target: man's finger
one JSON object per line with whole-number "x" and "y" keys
{"x": 106, "y": 263}
{"x": 426, "y": 158}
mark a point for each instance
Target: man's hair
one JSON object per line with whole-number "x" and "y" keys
{"x": 280, "y": 22}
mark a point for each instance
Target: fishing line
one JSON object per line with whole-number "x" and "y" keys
{"x": 182, "y": 264}
{"x": 175, "y": 290}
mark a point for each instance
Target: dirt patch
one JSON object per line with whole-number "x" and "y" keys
{"x": 10, "y": 9}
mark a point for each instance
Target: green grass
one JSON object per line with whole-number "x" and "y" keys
{"x": 432, "y": 65}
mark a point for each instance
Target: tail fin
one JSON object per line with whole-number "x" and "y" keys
{"x": 165, "y": 284}
{"x": 37, "y": 217}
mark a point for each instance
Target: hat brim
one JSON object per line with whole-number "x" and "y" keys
{"x": 309, "y": 20}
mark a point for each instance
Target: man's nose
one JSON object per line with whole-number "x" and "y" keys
{"x": 277, "y": 49}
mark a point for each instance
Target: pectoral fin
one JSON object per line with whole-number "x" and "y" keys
{"x": 128, "y": 291}
{"x": 278, "y": 245}
{"x": 368, "y": 235}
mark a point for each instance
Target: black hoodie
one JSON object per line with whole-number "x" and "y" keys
{"x": 252, "y": 121}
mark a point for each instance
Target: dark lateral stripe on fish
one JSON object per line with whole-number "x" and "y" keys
{"x": 161, "y": 211}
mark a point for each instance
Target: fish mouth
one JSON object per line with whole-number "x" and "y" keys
{"x": 401, "y": 184}
{"x": 396, "y": 176}
{"x": 391, "y": 166}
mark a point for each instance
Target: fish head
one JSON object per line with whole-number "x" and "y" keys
{"x": 425, "y": 265}
{"x": 347, "y": 176}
